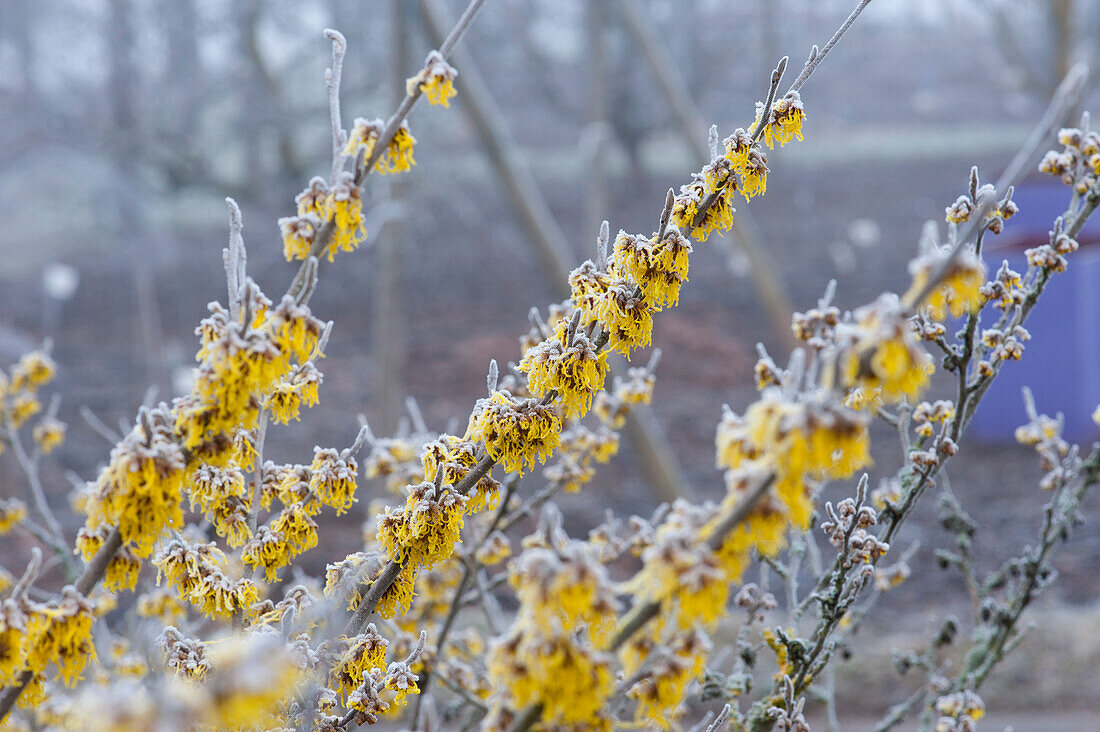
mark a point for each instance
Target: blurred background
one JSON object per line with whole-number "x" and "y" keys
{"x": 125, "y": 123}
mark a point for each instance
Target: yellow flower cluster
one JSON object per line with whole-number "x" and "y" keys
{"x": 338, "y": 212}
{"x": 125, "y": 566}
{"x": 299, "y": 233}
{"x": 711, "y": 193}
{"x": 551, "y": 657}
{"x": 398, "y": 155}
{"x": 34, "y": 635}
{"x": 287, "y": 396}
{"x": 564, "y": 587}
{"x": 749, "y": 162}
{"x": 785, "y": 122}
{"x": 347, "y": 577}
{"x": 12, "y": 511}
{"x": 223, "y": 496}
{"x": 960, "y": 291}
{"x": 627, "y": 317}
{"x": 515, "y": 432}
{"x": 163, "y": 604}
{"x": 292, "y": 532}
{"x": 457, "y": 455}
{"x": 664, "y": 685}
{"x": 681, "y": 572}
{"x": 575, "y": 372}
{"x": 423, "y": 532}
{"x": 19, "y": 389}
{"x": 659, "y": 268}
{"x": 297, "y": 527}
{"x": 332, "y": 478}
{"x": 587, "y": 286}
{"x": 197, "y": 574}
{"x": 49, "y": 434}
{"x": 239, "y": 362}
{"x": 140, "y": 489}
{"x": 435, "y": 80}
{"x": 881, "y": 356}
{"x": 617, "y": 300}
{"x": 797, "y": 442}
{"x": 253, "y": 680}
{"x": 358, "y": 657}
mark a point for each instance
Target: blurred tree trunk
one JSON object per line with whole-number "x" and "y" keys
{"x": 595, "y": 137}
{"x": 18, "y": 29}
{"x": 181, "y": 29}
{"x": 389, "y": 340}
{"x": 1061, "y": 26}
{"x": 131, "y": 222}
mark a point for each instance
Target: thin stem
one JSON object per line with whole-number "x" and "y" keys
{"x": 332, "y": 83}
{"x": 777, "y": 76}
{"x": 815, "y": 60}
{"x": 258, "y": 478}
{"x": 29, "y": 465}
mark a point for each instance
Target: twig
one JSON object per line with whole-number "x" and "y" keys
{"x": 332, "y": 84}
{"x": 29, "y": 465}
{"x": 777, "y": 76}
{"x": 816, "y": 58}
{"x": 98, "y": 426}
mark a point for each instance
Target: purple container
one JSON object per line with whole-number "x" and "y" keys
{"x": 1061, "y": 362}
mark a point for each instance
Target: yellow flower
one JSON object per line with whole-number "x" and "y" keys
{"x": 348, "y": 577}
{"x": 659, "y": 268}
{"x": 22, "y": 407}
{"x": 12, "y": 511}
{"x": 785, "y": 122}
{"x": 299, "y": 233}
{"x": 398, "y": 155}
{"x": 49, "y": 433}
{"x": 162, "y": 604}
{"x": 338, "y": 211}
{"x": 332, "y": 478}
{"x": 435, "y": 80}
{"x": 197, "y": 574}
{"x": 712, "y": 187}
{"x": 960, "y": 291}
{"x": 287, "y": 396}
{"x": 267, "y": 549}
{"x": 662, "y": 690}
{"x": 253, "y": 677}
{"x": 312, "y": 199}
{"x": 587, "y": 286}
{"x": 293, "y": 330}
{"x": 567, "y": 589}
{"x": 140, "y": 489}
{"x": 882, "y": 353}
{"x": 426, "y": 529}
{"x": 34, "y": 369}
{"x": 516, "y": 433}
{"x": 575, "y": 372}
{"x": 297, "y": 527}
{"x": 59, "y": 633}
{"x": 122, "y": 571}
{"x": 225, "y": 499}
{"x": 571, "y": 681}
{"x": 361, "y": 654}
{"x": 628, "y": 319}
